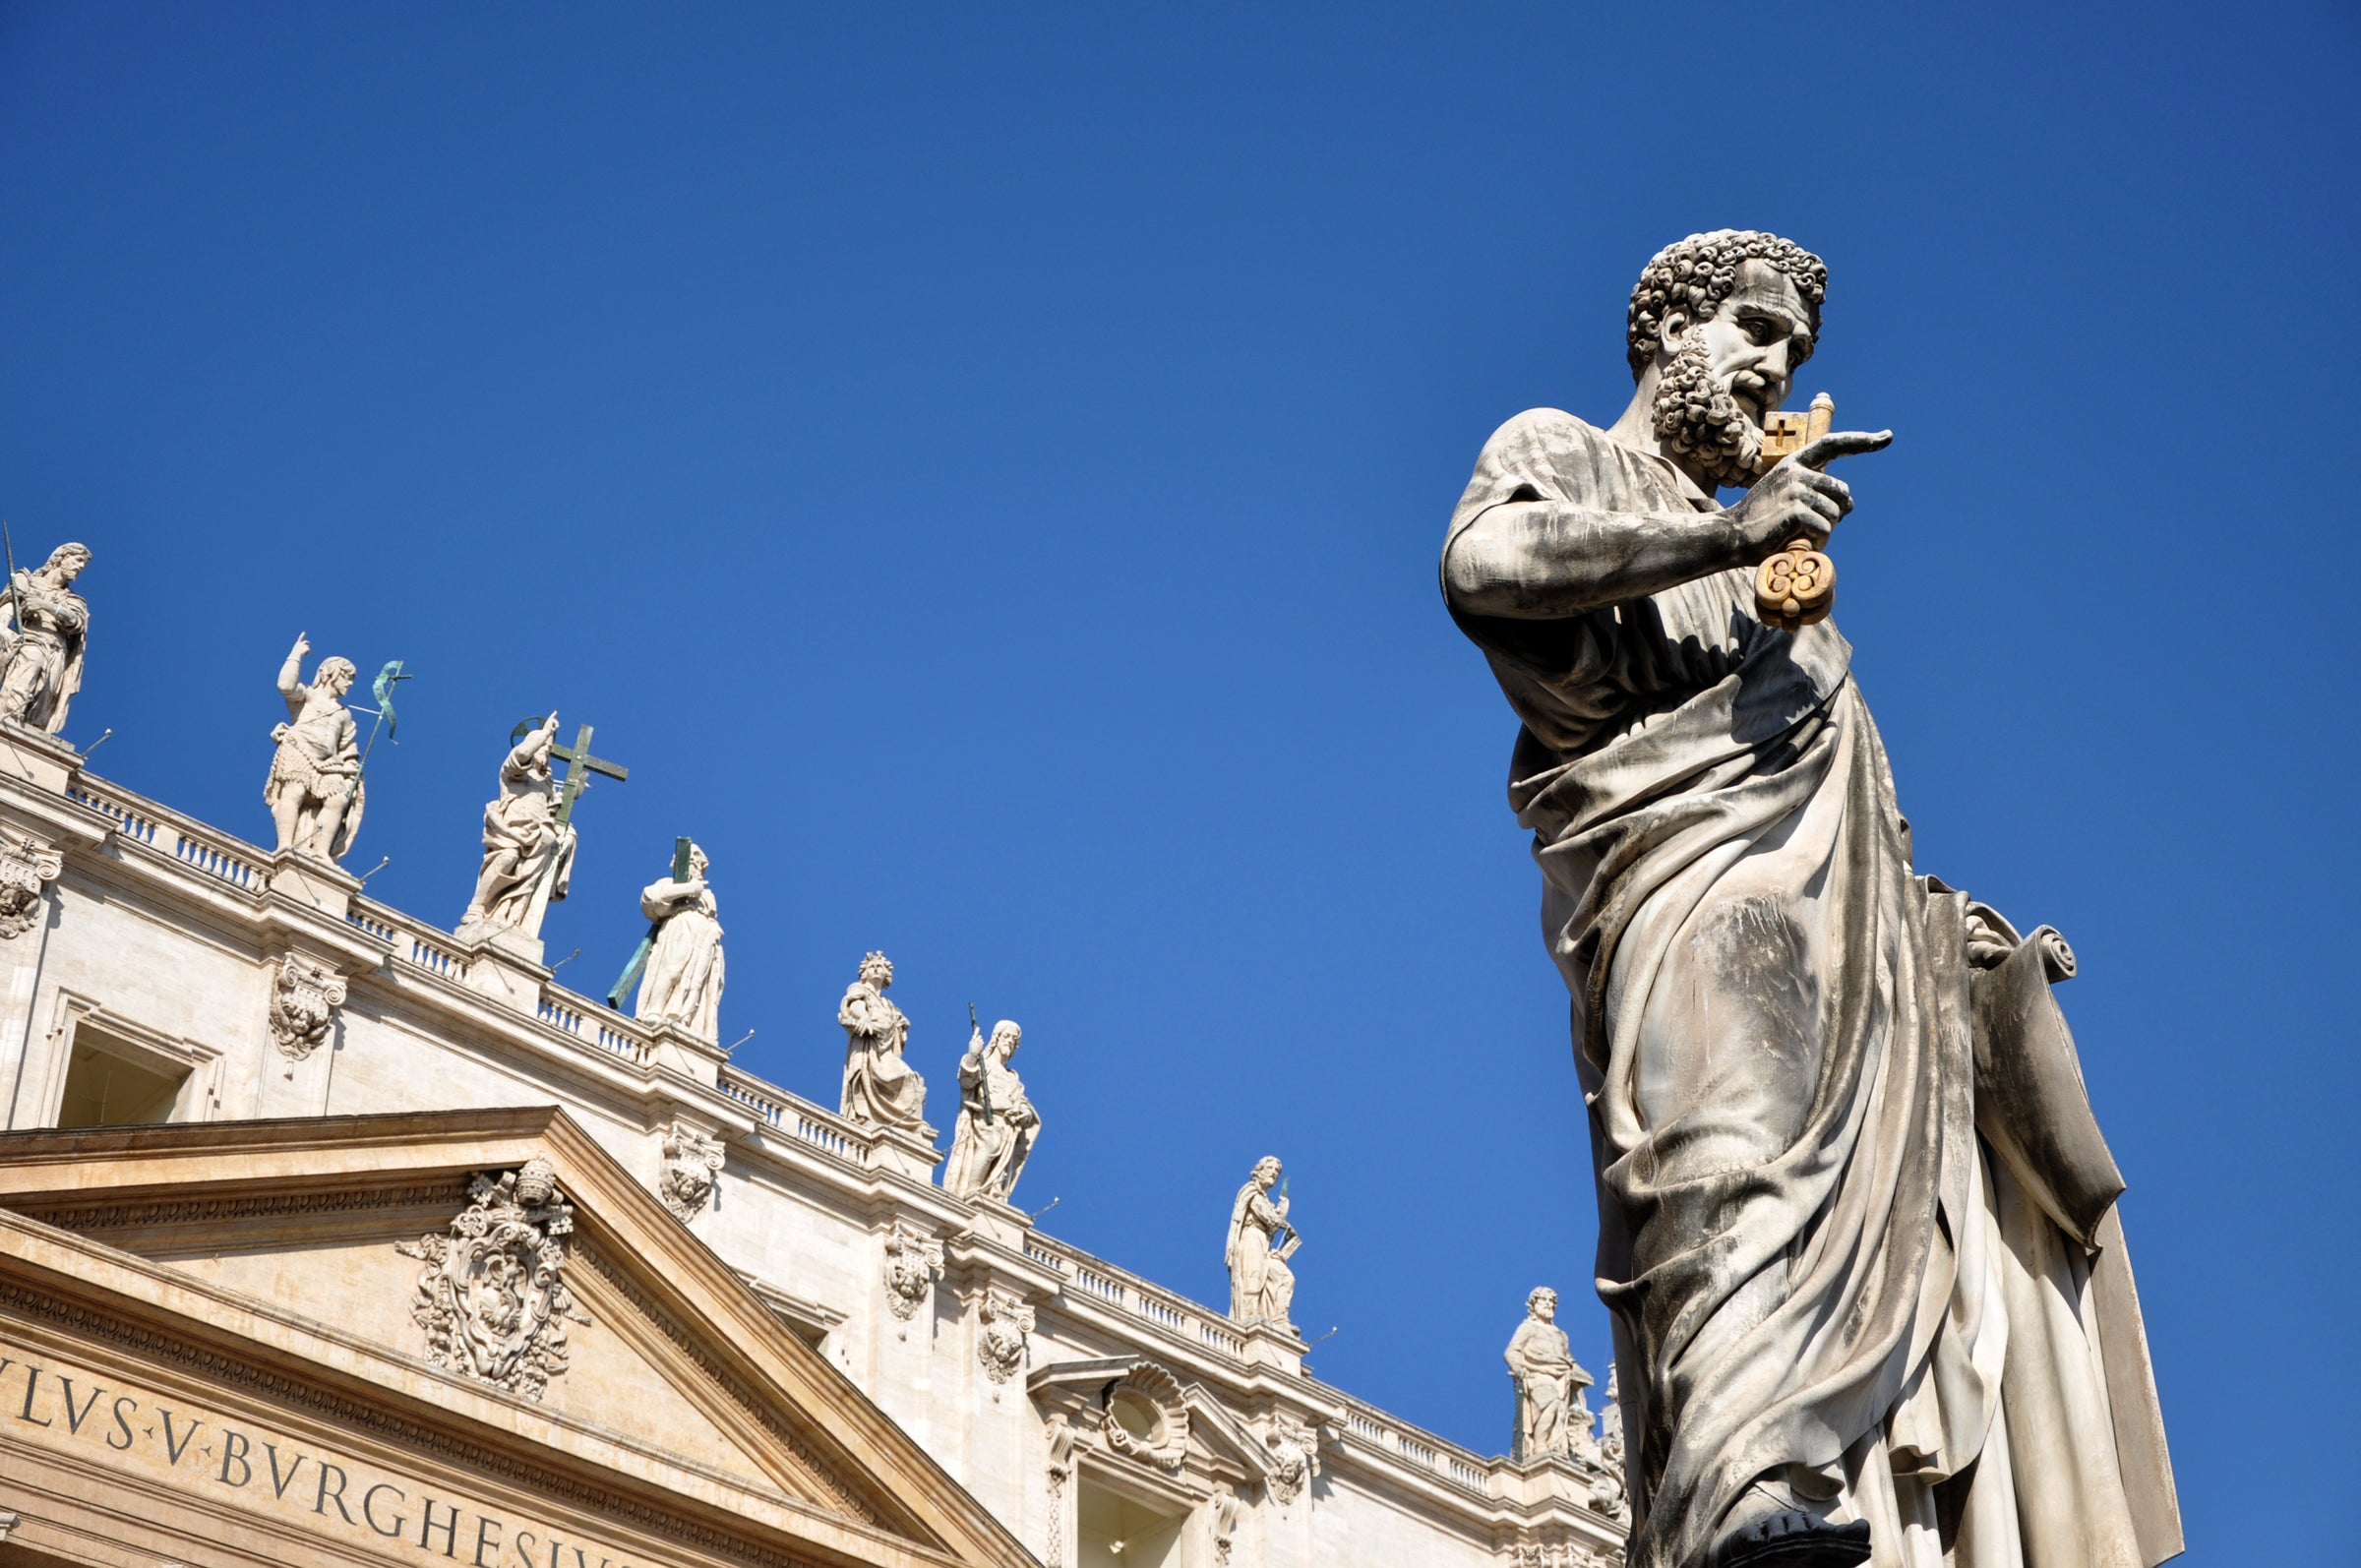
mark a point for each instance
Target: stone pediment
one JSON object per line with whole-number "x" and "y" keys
{"x": 1175, "y": 1419}
{"x": 476, "y": 1305}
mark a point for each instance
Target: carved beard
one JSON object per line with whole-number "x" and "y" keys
{"x": 1702, "y": 422}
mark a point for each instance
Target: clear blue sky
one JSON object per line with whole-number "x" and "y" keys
{"x": 982, "y": 467}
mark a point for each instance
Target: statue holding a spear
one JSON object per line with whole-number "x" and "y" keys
{"x": 314, "y": 790}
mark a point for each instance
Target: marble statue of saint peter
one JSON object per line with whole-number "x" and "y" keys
{"x": 1856, "y": 1226}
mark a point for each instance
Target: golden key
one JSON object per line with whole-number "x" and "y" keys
{"x": 1798, "y": 585}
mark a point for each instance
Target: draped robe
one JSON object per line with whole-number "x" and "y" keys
{"x": 686, "y": 969}
{"x": 1819, "y": 1276}
{"x": 988, "y": 1156}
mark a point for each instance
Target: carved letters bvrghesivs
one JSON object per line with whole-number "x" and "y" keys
{"x": 27, "y": 867}
{"x": 492, "y": 1297}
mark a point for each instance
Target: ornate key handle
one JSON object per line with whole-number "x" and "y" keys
{"x": 1798, "y": 585}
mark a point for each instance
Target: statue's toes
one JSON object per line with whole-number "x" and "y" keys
{"x": 1792, "y": 1537}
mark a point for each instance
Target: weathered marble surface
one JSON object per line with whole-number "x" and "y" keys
{"x": 1774, "y": 1016}
{"x": 528, "y": 854}
{"x": 1262, "y": 1288}
{"x": 314, "y": 791}
{"x": 998, "y": 1125}
{"x": 682, "y": 985}
{"x": 1552, "y": 1417}
{"x": 881, "y": 1089}
{"x": 43, "y": 637}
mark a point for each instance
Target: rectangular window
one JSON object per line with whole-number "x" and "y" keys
{"x": 1113, "y": 1532}
{"x": 112, "y": 1083}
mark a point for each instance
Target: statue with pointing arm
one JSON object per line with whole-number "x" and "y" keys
{"x": 1857, "y": 1235}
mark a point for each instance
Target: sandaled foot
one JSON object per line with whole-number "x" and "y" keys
{"x": 1791, "y": 1539}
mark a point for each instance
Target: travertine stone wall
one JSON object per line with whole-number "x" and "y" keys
{"x": 165, "y": 937}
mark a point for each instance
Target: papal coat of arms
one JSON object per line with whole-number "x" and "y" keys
{"x": 492, "y": 1298}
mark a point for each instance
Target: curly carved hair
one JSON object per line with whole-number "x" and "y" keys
{"x": 1695, "y": 275}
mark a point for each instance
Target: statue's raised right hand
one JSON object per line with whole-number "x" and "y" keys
{"x": 1795, "y": 500}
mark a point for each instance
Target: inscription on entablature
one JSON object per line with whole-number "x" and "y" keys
{"x": 163, "y": 1441}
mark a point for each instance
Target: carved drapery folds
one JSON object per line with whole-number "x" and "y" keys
{"x": 1551, "y": 1418}
{"x": 304, "y": 1001}
{"x": 1145, "y": 1416}
{"x": 492, "y": 1298}
{"x": 912, "y": 1262}
{"x": 1003, "y": 1320}
{"x": 27, "y": 867}
{"x": 1224, "y": 1526}
{"x": 692, "y": 1161}
{"x": 1295, "y": 1454}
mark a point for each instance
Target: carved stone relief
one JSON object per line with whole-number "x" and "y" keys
{"x": 1061, "y": 1436}
{"x": 303, "y": 1005}
{"x": 690, "y": 1162}
{"x": 27, "y": 867}
{"x": 1295, "y": 1451}
{"x": 1003, "y": 1323}
{"x": 1554, "y": 1554}
{"x": 912, "y": 1262}
{"x": 1224, "y": 1526}
{"x": 492, "y": 1298}
{"x": 1145, "y": 1417}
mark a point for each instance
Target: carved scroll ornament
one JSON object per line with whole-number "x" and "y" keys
{"x": 303, "y": 1005}
{"x": 1295, "y": 1452}
{"x": 27, "y": 867}
{"x": 912, "y": 1260}
{"x": 692, "y": 1161}
{"x": 1000, "y": 1335}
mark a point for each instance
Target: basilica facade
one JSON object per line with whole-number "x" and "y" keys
{"x": 331, "y": 1236}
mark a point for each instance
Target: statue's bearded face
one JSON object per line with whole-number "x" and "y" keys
{"x": 1719, "y": 377}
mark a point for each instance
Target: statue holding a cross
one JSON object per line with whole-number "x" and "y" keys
{"x": 529, "y": 831}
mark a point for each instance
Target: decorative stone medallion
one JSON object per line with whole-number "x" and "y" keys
{"x": 492, "y": 1298}
{"x": 1146, "y": 1419}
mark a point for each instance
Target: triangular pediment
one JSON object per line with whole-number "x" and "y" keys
{"x": 566, "y": 1323}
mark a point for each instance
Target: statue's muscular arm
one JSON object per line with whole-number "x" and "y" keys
{"x": 1533, "y": 559}
{"x": 1544, "y": 559}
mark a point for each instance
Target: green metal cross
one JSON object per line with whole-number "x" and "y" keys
{"x": 580, "y": 765}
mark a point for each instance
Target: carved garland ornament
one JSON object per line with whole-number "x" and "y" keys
{"x": 27, "y": 866}
{"x": 303, "y": 1005}
{"x": 690, "y": 1162}
{"x": 1004, "y": 1322}
{"x": 912, "y": 1260}
{"x": 491, "y": 1296}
